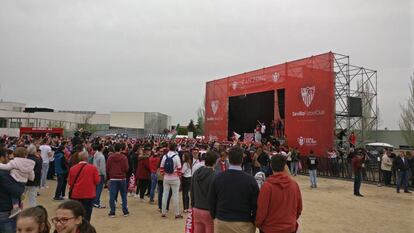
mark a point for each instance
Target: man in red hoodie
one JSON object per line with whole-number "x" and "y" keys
{"x": 143, "y": 171}
{"x": 280, "y": 201}
{"x": 357, "y": 165}
{"x": 116, "y": 170}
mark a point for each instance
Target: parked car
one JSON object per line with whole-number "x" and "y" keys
{"x": 376, "y": 149}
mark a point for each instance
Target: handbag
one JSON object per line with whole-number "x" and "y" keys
{"x": 74, "y": 182}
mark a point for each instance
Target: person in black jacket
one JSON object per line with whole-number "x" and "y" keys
{"x": 200, "y": 185}
{"x": 32, "y": 186}
{"x": 76, "y": 140}
{"x": 61, "y": 170}
{"x": 402, "y": 166}
{"x": 412, "y": 168}
{"x": 8, "y": 189}
{"x": 233, "y": 197}
{"x": 132, "y": 163}
{"x": 312, "y": 163}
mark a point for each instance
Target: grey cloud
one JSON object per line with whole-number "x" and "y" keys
{"x": 157, "y": 55}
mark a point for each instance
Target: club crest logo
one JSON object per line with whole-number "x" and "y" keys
{"x": 307, "y": 95}
{"x": 234, "y": 85}
{"x": 214, "y": 106}
{"x": 301, "y": 140}
{"x": 276, "y": 77}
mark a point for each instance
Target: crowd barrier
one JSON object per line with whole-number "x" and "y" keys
{"x": 341, "y": 168}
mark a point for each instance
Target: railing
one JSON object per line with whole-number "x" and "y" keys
{"x": 341, "y": 168}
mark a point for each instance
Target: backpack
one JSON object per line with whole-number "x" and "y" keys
{"x": 169, "y": 164}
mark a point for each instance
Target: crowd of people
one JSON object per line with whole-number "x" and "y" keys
{"x": 225, "y": 187}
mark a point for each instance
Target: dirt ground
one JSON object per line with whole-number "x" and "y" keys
{"x": 329, "y": 208}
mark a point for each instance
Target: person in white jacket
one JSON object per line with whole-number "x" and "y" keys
{"x": 22, "y": 170}
{"x": 172, "y": 174}
{"x": 386, "y": 167}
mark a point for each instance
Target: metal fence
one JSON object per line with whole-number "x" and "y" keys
{"x": 341, "y": 168}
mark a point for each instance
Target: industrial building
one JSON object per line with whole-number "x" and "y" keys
{"x": 14, "y": 116}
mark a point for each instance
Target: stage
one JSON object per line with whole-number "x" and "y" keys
{"x": 304, "y": 95}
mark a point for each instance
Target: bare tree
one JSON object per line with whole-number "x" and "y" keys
{"x": 407, "y": 115}
{"x": 201, "y": 118}
{"x": 86, "y": 125}
{"x": 366, "y": 125}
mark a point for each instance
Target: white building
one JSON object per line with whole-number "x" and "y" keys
{"x": 140, "y": 123}
{"x": 13, "y": 116}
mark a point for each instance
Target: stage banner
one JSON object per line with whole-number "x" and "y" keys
{"x": 256, "y": 81}
{"x": 310, "y": 112}
{"x": 216, "y": 110}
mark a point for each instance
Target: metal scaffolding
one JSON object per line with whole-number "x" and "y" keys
{"x": 355, "y": 81}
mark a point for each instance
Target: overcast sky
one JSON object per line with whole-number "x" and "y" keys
{"x": 157, "y": 55}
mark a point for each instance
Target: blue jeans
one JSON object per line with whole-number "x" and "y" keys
{"x": 87, "y": 205}
{"x": 312, "y": 176}
{"x": 116, "y": 186}
{"x": 99, "y": 188}
{"x": 154, "y": 179}
{"x": 294, "y": 168}
{"x": 61, "y": 185}
{"x": 7, "y": 225}
{"x": 402, "y": 180}
{"x": 45, "y": 169}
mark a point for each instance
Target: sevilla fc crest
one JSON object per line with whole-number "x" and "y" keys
{"x": 301, "y": 141}
{"x": 307, "y": 95}
{"x": 234, "y": 85}
{"x": 214, "y": 106}
{"x": 276, "y": 77}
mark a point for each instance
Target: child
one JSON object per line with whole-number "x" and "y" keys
{"x": 260, "y": 178}
{"x": 22, "y": 170}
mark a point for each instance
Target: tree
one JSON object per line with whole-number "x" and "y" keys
{"x": 367, "y": 124}
{"x": 200, "y": 126}
{"x": 407, "y": 115}
{"x": 191, "y": 128}
{"x": 182, "y": 130}
{"x": 86, "y": 125}
{"x": 200, "y": 118}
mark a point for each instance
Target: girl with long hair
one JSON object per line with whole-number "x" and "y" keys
{"x": 33, "y": 220}
{"x": 70, "y": 218}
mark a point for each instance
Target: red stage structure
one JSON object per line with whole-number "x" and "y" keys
{"x": 309, "y": 96}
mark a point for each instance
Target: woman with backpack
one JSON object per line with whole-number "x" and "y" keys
{"x": 160, "y": 187}
{"x": 171, "y": 170}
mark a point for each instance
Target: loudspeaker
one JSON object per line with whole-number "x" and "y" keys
{"x": 355, "y": 106}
